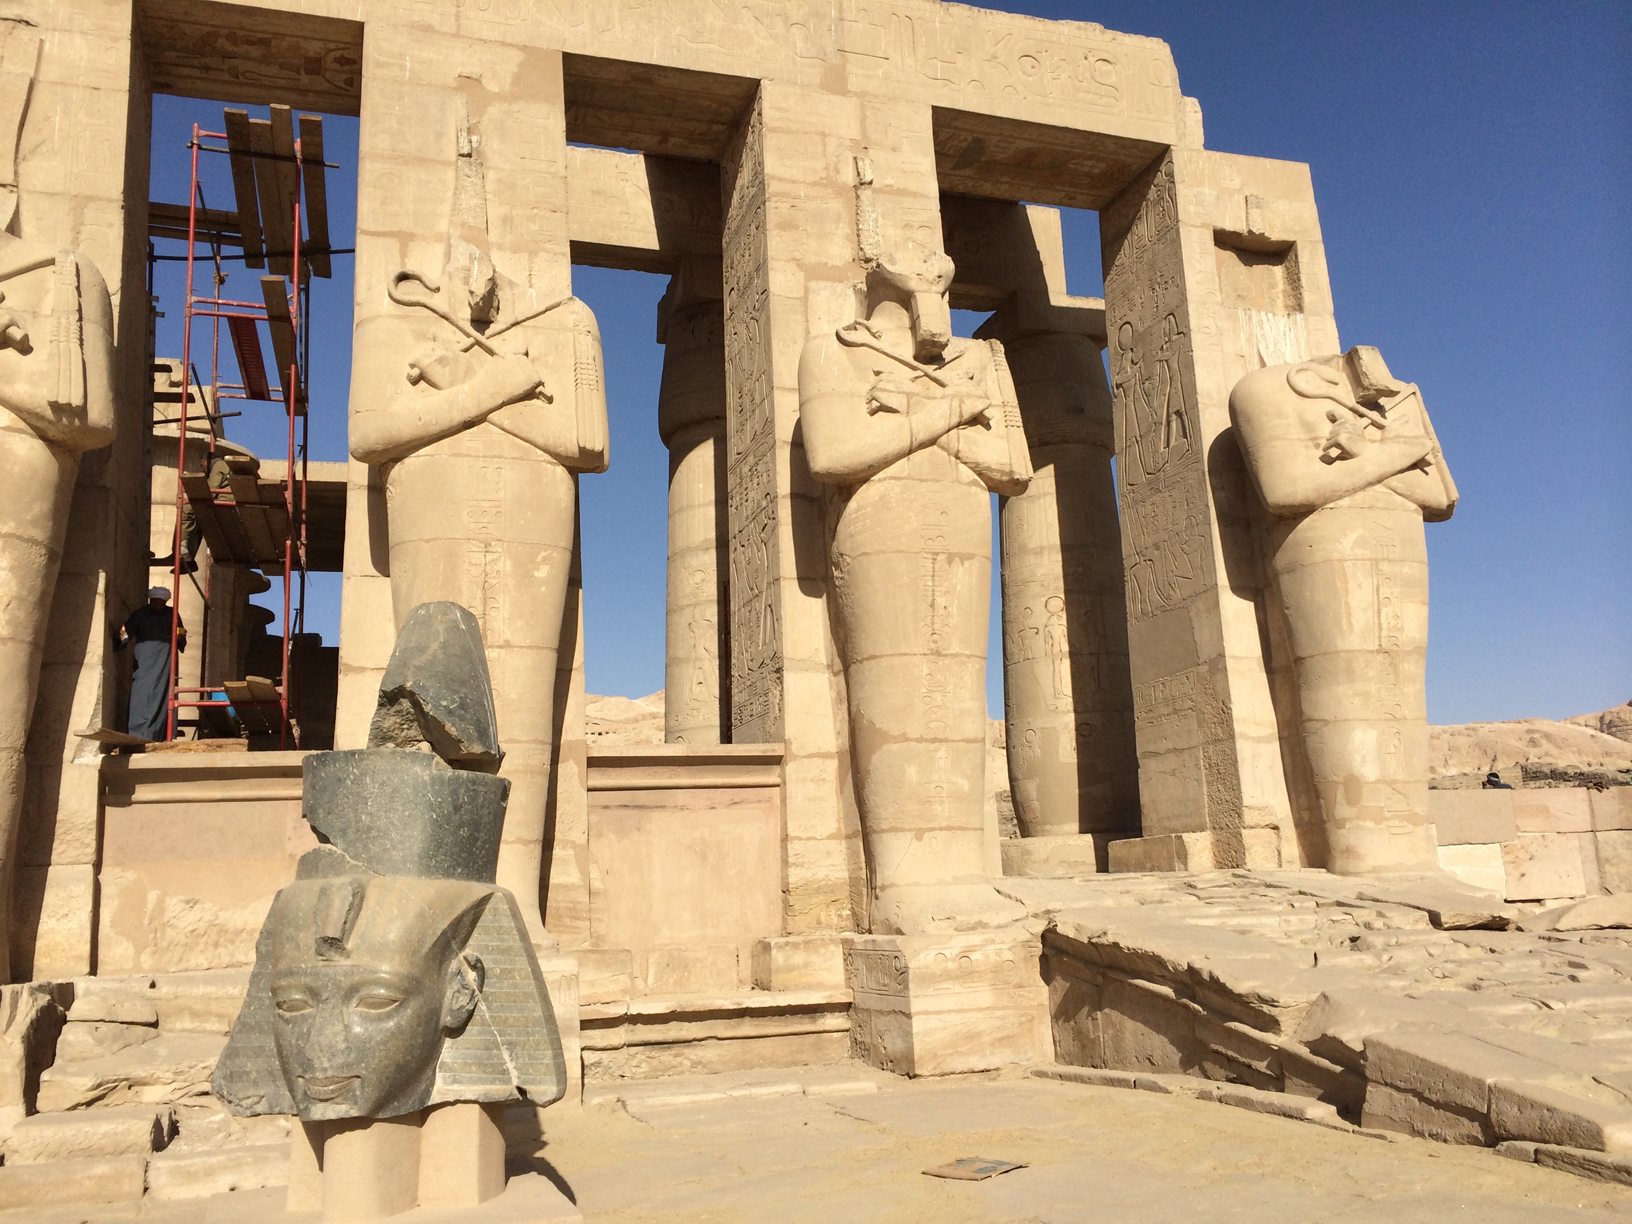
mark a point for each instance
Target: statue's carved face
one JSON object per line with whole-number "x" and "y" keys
{"x": 364, "y": 994}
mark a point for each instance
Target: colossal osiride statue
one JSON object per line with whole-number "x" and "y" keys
{"x": 56, "y": 402}
{"x": 481, "y": 401}
{"x": 1346, "y": 461}
{"x": 394, "y": 976}
{"x": 915, "y": 430}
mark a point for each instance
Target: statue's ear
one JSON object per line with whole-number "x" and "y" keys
{"x": 465, "y": 978}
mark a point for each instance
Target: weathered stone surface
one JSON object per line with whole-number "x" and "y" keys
{"x": 1447, "y": 1069}
{"x": 118, "y": 1000}
{"x": 799, "y": 962}
{"x": 127, "y": 1130}
{"x": 1601, "y": 1166}
{"x": 111, "y": 1179}
{"x": 1521, "y": 1110}
{"x": 1544, "y": 866}
{"x": 1592, "y": 914}
{"x": 1392, "y": 1110}
{"x": 1471, "y": 817}
{"x": 180, "y": 1174}
{"x": 81, "y": 1040}
{"x": 30, "y": 1023}
{"x": 436, "y": 693}
{"x": 1069, "y": 855}
{"x": 1477, "y": 866}
{"x": 157, "y": 1072}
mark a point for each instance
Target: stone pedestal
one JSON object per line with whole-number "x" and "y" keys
{"x": 1069, "y": 855}
{"x": 945, "y": 1004}
{"x": 691, "y": 420}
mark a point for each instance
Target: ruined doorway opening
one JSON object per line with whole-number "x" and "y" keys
{"x": 234, "y": 605}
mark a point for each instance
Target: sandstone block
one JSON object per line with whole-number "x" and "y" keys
{"x": 114, "y": 1000}
{"x": 188, "y": 1175}
{"x": 30, "y": 1020}
{"x": 1612, "y": 808}
{"x": 1540, "y": 866}
{"x": 157, "y": 1072}
{"x": 131, "y": 1130}
{"x": 1600, "y": 1166}
{"x": 1075, "y": 855}
{"x": 116, "y": 1179}
{"x": 57, "y": 903}
{"x": 799, "y": 962}
{"x": 1544, "y": 1114}
{"x": 1476, "y": 865}
{"x": 1614, "y": 849}
{"x": 1552, "y": 809}
{"x": 1447, "y": 1069}
{"x": 205, "y": 1002}
{"x": 1407, "y": 1114}
{"x": 1163, "y": 852}
{"x": 1469, "y": 817}
{"x": 81, "y": 1040}
{"x": 204, "y": 1125}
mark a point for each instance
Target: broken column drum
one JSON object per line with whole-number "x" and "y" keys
{"x": 1067, "y": 693}
{"x": 691, "y": 420}
{"x": 1346, "y": 461}
{"x": 481, "y": 397}
{"x": 56, "y": 402}
{"x": 914, "y": 430}
{"x": 393, "y": 975}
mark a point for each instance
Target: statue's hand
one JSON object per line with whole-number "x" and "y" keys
{"x": 516, "y": 377}
{"x": 438, "y": 368}
{"x": 12, "y": 332}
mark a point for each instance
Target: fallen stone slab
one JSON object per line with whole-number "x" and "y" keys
{"x": 114, "y": 1179}
{"x": 82, "y": 1039}
{"x": 129, "y": 1130}
{"x": 1104, "y": 1078}
{"x": 1583, "y": 1163}
{"x": 1549, "y": 1115}
{"x": 166, "y": 1069}
{"x": 1448, "y": 1068}
{"x": 115, "y": 1000}
{"x": 188, "y": 1175}
{"x": 1590, "y": 914}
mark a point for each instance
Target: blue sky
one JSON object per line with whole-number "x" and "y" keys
{"x": 1473, "y": 167}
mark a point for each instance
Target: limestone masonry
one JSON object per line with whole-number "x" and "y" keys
{"x": 331, "y": 949}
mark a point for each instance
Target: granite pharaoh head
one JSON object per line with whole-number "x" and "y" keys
{"x": 393, "y": 974}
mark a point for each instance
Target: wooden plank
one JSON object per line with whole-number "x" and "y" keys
{"x": 283, "y": 336}
{"x": 274, "y": 228}
{"x": 277, "y": 525}
{"x": 255, "y": 719}
{"x": 317, "y": 193}
{"x": 261, "y": 688}
{"x": 243, "y": 186}
{"x": 288, "y": 175}
{"x": 245, "y": 489}
{"x": 209, "y": 224}
{"x": 107, "y": 735}
{"x": 259, "y": 532}
{"x": 246, "y": 346}
{"x": 210, "y": 523}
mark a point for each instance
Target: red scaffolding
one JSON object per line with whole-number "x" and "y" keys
{"x": 279, "y": 189}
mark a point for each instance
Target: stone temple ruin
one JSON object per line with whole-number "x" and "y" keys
{"x": 1229, "y": 864}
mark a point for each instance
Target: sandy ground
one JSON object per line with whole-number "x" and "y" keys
{"x": 848, "y": 1144}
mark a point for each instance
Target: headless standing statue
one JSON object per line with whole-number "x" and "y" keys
{"x": 915, "y": 430}
{"x": 481, "y": 400}
{"x": 1346, "y": 460}
{"x": 56, "y": 402}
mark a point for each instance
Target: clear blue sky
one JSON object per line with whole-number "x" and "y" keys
{"x": 1473, "y": 167}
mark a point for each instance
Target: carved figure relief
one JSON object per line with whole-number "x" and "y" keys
{"x": 914, "y": 429}
{"x": 481, "y": 398}
{"x": 1345, "y": 459}
{"x": 56, "y": 402}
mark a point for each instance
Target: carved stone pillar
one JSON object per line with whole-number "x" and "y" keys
{"x": 1067, "y": 697}
{"x": 691, "y": 420}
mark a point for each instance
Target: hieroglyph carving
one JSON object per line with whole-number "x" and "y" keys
{"x": 56, "y": 402}
{"x": 751, "y": 457}
{"x": 1345, "y": 459}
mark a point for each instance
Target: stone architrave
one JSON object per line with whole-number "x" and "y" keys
{"x": 915, "y": 430}
{"x": 477, "y": 388}
{"x": 1346, "y": 461}
{"x": 394, "y": 980}
{"x": 691, "y": 421}
{"x": 56, "y": 402}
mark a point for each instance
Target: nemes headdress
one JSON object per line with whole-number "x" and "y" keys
{"x": 410, "y": 830}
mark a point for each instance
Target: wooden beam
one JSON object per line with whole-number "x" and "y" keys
{"x": 274, "y": 222}
{"x": 317, "y": 193}
{"x": 288, "y": 176}
{"x": 209, "y": 224}
{"x": 246, "y": 346}
{"x": 243, "y": 186}
{"x": 283, "y": 339}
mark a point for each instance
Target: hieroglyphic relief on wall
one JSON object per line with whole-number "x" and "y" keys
{"x": 751, "y": 500}
{"x": 1166, "y": 531}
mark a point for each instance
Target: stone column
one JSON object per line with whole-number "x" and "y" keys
{"x": 1068, "y": 701}
{"x": 1185, "y": 247}
{"x": 691, "y": 421}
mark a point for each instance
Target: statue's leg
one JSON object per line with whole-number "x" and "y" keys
{"x": 912, "y": 571}
{"x": 33, "y": 520}
{"x": 491, "y": 529}
{"x": 1354, "y": 582}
